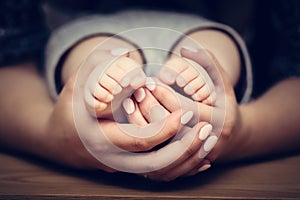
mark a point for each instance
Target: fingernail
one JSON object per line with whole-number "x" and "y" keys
{"x": 189, "y": 48}
{"x": 168, "y": 76}
{"x": 150, "y": 84}
{"x": 204, "y": 167}
{"x": 186, "y": 117}
{"x": 196, "y": 97}
{"x": 125, "y": 81}
{"x": 210, "y": 143}
{"x": 128, "y": 106}
{"x": 205, "y": 131}
{"x": 117, "y": 90}
{"x": 188, "y": 90}
{"x": 180, "y": 81}
{"x": 119, "y": 51}
{"x": 139, "y": 95}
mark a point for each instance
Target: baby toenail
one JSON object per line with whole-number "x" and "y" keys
{"x": 150, "y": 84}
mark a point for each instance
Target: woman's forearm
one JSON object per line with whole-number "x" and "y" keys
{"x": 25, "y": 108}
{"x": 270, "y": 124}
{"x": 26, "y": 122}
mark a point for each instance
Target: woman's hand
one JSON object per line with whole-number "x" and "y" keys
{"x": 226, "y": 99}
{"x": 62, "y": 140}
{"x": 149, "y": 110}
{"x": 115, "y": 149}
{"x": 223, "y": 115}
{"x": 76, "y": 138}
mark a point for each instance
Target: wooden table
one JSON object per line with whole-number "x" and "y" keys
{"x": 28, "y": 178}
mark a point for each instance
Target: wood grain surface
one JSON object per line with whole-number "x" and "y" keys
{"x": 22, "y": 177}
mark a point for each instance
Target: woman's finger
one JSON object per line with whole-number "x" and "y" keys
{"x": 134, "y": 114}
{"x": 203, "y": 166}
{"x": 136, "y": 139}
{"x": 172, "y": 100}
{"x": 145, "y": 162}
{"x": 189, "y": 159}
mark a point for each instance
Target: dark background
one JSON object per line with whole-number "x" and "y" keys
{"x": 271, "y": 29}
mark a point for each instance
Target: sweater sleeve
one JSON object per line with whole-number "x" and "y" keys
{"x": 148, "y": 30}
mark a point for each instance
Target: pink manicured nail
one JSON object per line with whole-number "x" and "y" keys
{"x": 139, "y": 95}
{"x": 189, "y": 48}
{"x": 204, "y": 167}
{"x": 210, "y": 143}
{"x": 205, "y": 131}
{"x": 119, "y": 51}
{"x": 128, "y": 106}
{"x": 186, "y": 117}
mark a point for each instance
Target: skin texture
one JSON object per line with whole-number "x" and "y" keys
{"x": 32, "y": 118}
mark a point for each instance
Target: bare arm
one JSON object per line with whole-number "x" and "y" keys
{"x": 25, "y": 107}
{"x": 27, "y": 124}
{"x": 31, "y": 122}
{"x": 270, "y": 123}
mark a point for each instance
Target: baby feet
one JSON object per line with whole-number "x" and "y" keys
{"x": 110, "y": 79}
{"x": 187, "y": 78}
{"x": 190, "y": 77}
{"x": 120, "y": 72}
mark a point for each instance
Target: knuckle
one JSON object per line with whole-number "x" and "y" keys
{"x": 171, "y": 130}
{"x": 189, "y": 151}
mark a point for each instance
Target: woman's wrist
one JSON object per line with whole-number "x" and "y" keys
{"x": 238, "y": 142}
